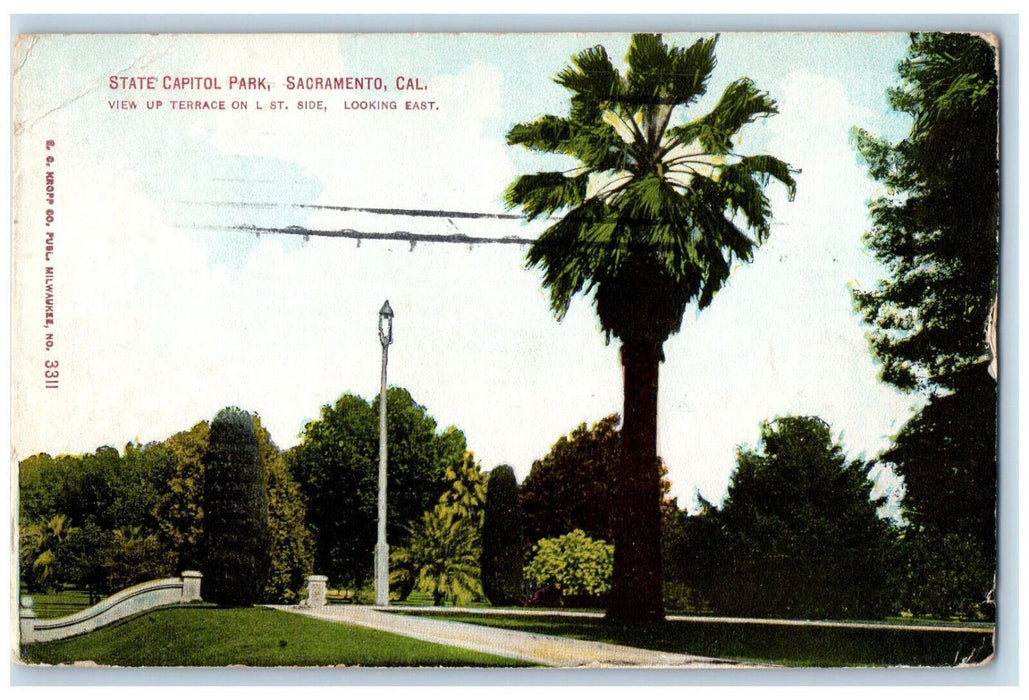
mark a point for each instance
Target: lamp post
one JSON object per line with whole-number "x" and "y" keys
{"x": 381, "y": 548}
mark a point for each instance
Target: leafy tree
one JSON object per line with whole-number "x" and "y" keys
{"x": 798, "y": 535}
{"x": 501, "y": 561}
{"x": 235, "y": 513}
{"x": 936, "y": 231}
{"x": 441, "y": 558}
{"x": 336, "y": 467}
{"x": 108, "y": 488}
{"x": 571, "y": 487}
{"x": 651, "y": 222}
{"x": 292, "y": 546}
{"x": 334, "y": 464}
{"x": 84, "y": 560}
{"x": 179, "y": 511}
{"x": 947, "y": 456}
{"x": 137, "y": 484}
{"x": 135, "y": 557}
{"x": 103, "y": 491}
{"x": 56, "y": 486}
{"x": 575, "y": 564}
{"x": 39, "y": 486}
{"x": 453, "y": 448}
{"x": 90, "y": 495}
{"x": 948, "y": 574}
{"x": 679, "y": 545}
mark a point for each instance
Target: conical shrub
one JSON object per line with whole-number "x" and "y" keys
{"x": 501, "y": 562}
{"x": 236, "y": 541}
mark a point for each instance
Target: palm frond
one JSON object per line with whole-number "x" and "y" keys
{"x": 691, "y": 70}
{"x": 547, "y": 134}
{"x": 594, "y": 82}
{"x": 542, "y": 194}
{"x": 599, "y": 147}
{"x": 713, "y": 217}
{"x": 717, "y": 272}
{"x": 650, "y": 71}
{"x": 661, "y": 78}
{"x": 570, "y": 252}
{"x": 740, "y": 104}
{"x": 771, "y": 167}
{"x": 596, "y": 146}
{"x": 738, "y": 191}
{"x": 655, "y": 216}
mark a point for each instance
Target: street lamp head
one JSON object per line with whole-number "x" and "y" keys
{"x": 386, "y": 324}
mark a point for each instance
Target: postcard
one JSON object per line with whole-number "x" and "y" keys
{"x": 506, "y": 350}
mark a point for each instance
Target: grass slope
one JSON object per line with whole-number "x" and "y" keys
{"x": 61, "y": 604}
{"x": 778, "y": 644}
{"x": 207, "y": 636}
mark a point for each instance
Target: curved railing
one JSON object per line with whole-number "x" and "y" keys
{"x": 131, "y": 601}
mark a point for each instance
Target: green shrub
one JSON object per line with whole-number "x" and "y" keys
{"x": 573, "y": 563}
{"x": 679, "y": 597}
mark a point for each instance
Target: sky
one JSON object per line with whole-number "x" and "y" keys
{"x": 163, "y": 314}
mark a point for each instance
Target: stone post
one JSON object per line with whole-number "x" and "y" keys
{"x": 316, "y": 591}
{"x": 191, "y": 586}
{"x": 26, "y": 621}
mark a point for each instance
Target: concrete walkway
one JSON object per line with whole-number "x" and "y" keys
{"x": 544, "y": 649}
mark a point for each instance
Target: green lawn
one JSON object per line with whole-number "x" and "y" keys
{"x": 421, "y": 598}
{"x": 367, "y": 597}
{"x": 940, "y": 622}
{"x": 208, "y": 636}
{"x": 60, "y": 604}
{"x": 777, "y": 644}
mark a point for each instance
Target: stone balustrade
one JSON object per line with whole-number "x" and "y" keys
{"x": 131, "y": 601}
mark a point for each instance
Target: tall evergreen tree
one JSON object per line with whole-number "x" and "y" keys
{"x": 651, "y": 221}
{"x": 936, "y": 231}
{"x": 236, "y": 541}
{"x": 501, "y": 562}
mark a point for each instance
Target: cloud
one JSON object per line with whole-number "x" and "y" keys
{"x": 782, "y": 337}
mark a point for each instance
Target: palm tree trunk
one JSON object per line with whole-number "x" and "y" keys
{"x": 636, "y": 581}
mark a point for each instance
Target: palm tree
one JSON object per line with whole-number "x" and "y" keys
{"x": 652, "y": 219}
{"x": 467, "y": 493}
{"x": 39, "y": 542}
{"x": 441, "y": 558}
